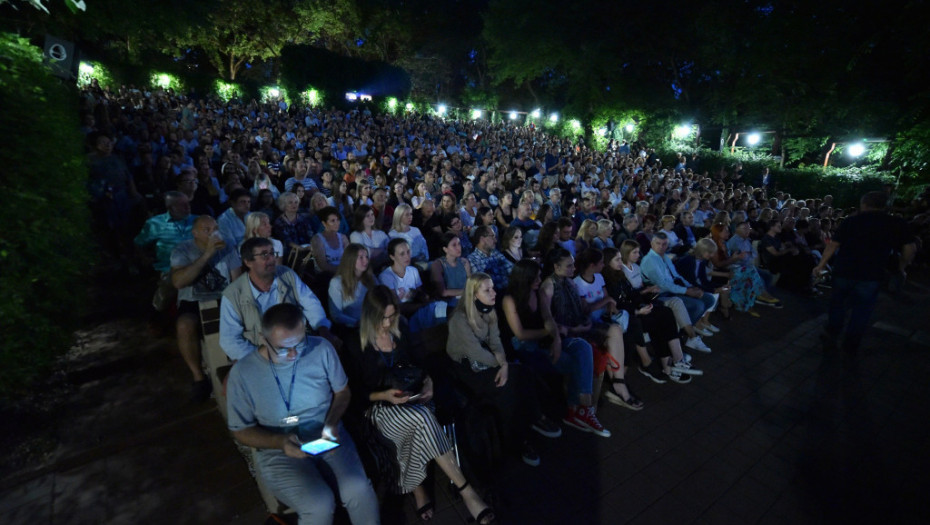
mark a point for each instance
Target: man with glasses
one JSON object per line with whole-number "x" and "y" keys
{"x": 264, "y": 285}
{"x": 486, "y": 258}
{"x": 200, "y": 270}
{"x": 293, "y": 390}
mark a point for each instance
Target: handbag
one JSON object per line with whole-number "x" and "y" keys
{"x": 407, "y": 378}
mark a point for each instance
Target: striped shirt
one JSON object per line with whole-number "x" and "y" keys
{"x": 166, "y": 233}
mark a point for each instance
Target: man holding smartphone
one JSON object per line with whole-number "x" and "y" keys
{"x": 293, "y": 390}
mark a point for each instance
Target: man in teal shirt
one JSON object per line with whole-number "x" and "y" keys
{"x": 166, "y": 231}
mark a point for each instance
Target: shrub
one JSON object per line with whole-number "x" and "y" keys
{"x": 45, "y": 247}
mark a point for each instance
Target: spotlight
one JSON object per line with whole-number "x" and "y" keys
{"x": 441, "y": 109}
{"x": 554, "y": 117}
{"x": 575, "y": 124}
{"x": 536, "y": 113}
{"x": 513, "y": 115}
{"x": 476, "y": 114}
{"x": 629, "y": 128}
{"x": 857, "y": 149}
{"x": 409, "y": 106}
{"x": 753, "y": 139}
{"x": 683, "y": 131}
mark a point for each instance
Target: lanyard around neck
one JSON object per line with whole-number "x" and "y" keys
{"x": 290, "y": 391}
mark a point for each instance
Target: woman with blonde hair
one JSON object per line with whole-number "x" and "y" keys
{"x": 474, "y": 343}
{"x": 402, "y": 412}
{"x": 348, "y": 287}
{"x": 402, "y": 229}
{"x": 258, "y": 224}
{"x": 605, "y": 228}
{"x": 586, "y": 233}
{"x": 697, "y": 268}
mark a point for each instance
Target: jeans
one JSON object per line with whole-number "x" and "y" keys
{"x": 860, "y": 297}
{"x": 696, "y": 306}
{"x": 430, "y": 315}
{"x": 575, "y": 361}
{"x": 304, "y": 484}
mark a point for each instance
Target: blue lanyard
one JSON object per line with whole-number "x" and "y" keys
{"x": 290, "y": 392}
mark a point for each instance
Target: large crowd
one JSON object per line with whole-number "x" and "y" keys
{"x": 426, "y": 256}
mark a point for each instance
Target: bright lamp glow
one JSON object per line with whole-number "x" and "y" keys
{"x": 629, "y": 128}
{"x": 536, "y": 113}
{"x": 441, "y": 109}
{"x": 364, "y": 98}
{"x": 575, "y": 124}
{"x": 476, "y": 113}
{"x": 513, "y": 115}
{"x": 274, "y": 92}
{"x": 753, "y": 139}
{"x": 392, "y": 103}
{"x": 313, "y": 97}
{"x": 856, "y": 150}
{"x": 554, "y": 117}
{"x": 601, "y": 132}
{"x": 86, "y": 68}
{"x": 409, "y": 106}
{"x": 351, "y": 97}
{"x": 682, "y": 131}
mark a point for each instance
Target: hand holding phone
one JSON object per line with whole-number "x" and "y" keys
{"x": 318, "y": 446}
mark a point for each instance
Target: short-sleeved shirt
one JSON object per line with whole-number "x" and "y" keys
{"x": 591, "y": 292}
{"x": 214, "y": 277}
{"x": 255, "y": 399}
{"x": 404, "y": 286}
{"x": 166, "y": 233}
{"x": 866, "y": 241}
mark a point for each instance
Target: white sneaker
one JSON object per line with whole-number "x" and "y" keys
{"x": 703, "y": 331}
{"x": 685, "y": 368}
{"x": 695, "y": 343}
{"x": 712, "y": 328}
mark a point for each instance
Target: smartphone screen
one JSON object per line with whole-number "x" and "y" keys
{"x": 318, "y": 446}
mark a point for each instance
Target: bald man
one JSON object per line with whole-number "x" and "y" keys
{"x": 200, "y": 270}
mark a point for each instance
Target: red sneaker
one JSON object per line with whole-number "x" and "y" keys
{"x": 586, "y": 416}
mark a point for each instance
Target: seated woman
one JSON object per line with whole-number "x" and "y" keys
{"x": 650, "y": 316}
{"x": 586, "y": 233}
{"x": 449, "y": 273}
{"x": 475, "y": 345}
{"x": 573, "y": 317}
{"x": 644, "y": 237}
{"x": 453, "y": 224}
{"x": 605, "y": 229}
{"x": 365, "y": 233}
{"x": 504, "y": 213}
{"x": 328, "y": 245}
{"x": 512, "y": 245}
{"x": 405, "y": 281}
{"x": 539, "y": 345}
{"x": 257, "y": 224}
{"x": 291, "y": 227}
{"x": 629, "y": 257}
{"x": 675, "y": 244}
{"x": 348, "y": 288}
{"x": 485, "y": 217}
{"x": 402, "y": 229}
{"x": 404, "y": 417}
{"x": 697, "y": 268}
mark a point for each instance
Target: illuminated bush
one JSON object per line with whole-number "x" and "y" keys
{"x": 274, "y": 94}
{"x": 166, "y": 81}
{"x": 227, "y": 91}
{"x": 311, "y": 97}
{"x": 89, "y": 70}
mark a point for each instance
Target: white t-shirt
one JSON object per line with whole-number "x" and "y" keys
{"x": 405, "y": 286}
{"x": 591, "y": 292}
{"x": 378, "y": 239}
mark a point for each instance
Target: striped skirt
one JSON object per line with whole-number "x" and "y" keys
{"x": 416, "y": 435}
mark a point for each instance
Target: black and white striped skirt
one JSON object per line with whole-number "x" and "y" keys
{"x": 416, "y": 435}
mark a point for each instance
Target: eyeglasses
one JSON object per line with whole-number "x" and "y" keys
{"x": 282, "y": 352}
{"x": 263, "y": 255}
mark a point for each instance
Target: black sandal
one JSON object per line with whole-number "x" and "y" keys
{"x": 632, "y": 402}
{"x": 421, "y": 512}
{"x": 486, "y": 514}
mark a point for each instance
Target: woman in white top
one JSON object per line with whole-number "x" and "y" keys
{"x": 363, "y": 192}
{"x": 328, "y": 245}
{"x": 364, "y": 233}
{"x": 348, "y": 288}
{"x": 403, "y": 217}
{"x": 405, "y": 281}
{"x": 420, "y": 195}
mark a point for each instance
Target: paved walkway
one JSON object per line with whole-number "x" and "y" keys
{"x": 774, "y": 432}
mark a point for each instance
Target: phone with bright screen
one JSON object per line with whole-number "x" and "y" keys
{"x": 318, "y": 446}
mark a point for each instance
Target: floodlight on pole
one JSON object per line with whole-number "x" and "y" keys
{"x": 476, "y": 114}
{"x": 441, "y": 109}
{"x": 857, "y": 149}
{"x": 554, "y": 117}
{"x": 683, "y": 131}
{"x": 513, "y": 115}
{"x": 536, "y": 113}
{"x": 753, "y": 139}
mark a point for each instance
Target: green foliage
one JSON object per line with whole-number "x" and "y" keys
{"x": 160, "y": 79}
{"x": 911, "y": 154}
{"x": 226, "y": 90}
{"x": 44, "y": 249}
{"x": 313, "y": 97}
{"x": 95, "y": 70}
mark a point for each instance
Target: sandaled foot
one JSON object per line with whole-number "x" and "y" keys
{"x": 617, "y": 398}
{"x": 424, "y": 505}
{"x": 485, "y": 516}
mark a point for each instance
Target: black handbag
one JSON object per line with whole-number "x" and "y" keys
{"x": 407, "y": 378}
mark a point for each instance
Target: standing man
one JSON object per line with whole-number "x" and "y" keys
{"x": 254, "y": 292}
{"x": 293, "y": 390}
{"x": 862, "y": 245}
{"x": 200, "y": 270}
